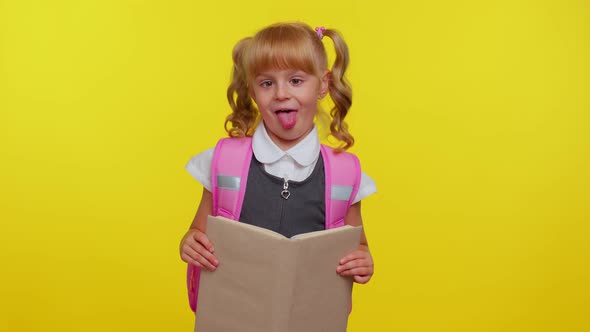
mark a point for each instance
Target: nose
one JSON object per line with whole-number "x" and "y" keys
{"x": 282, "y": 92}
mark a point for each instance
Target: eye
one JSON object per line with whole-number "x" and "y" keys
{"x": 296, "y": 81}
{"x": 265, "y": 84}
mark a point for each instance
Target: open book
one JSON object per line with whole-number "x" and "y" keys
{"x": 266, "y": 282}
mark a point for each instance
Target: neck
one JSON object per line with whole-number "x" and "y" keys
{"x": 285, "y": 144}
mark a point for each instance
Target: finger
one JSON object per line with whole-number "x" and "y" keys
{"x": 196, "y": 256}
{"x": 203, "y": 240}
{"x": 361, "y": 279}
{"x": 354, "y": 264}
{"x": 358, "y": 254}
{"x": 357, "y": 271}
{"x": 189, "y": 260}
{"x": 203, "y": 252}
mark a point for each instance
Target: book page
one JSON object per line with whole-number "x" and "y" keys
{"x": 246, "y": 292}
{"x": 322, "y": 233}
{"x": 321, "y": 297}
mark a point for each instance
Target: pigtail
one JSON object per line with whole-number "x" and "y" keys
{"x": 340, "y": 91}
{"x": 244, "y": 114}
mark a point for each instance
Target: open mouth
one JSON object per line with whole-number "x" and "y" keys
{"x": 287, "y": 117}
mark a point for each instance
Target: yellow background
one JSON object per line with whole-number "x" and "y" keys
{"x": 472, "y": 117}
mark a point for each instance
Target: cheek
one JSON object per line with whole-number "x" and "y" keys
{"x": 259, "y": 96}
{"x": 261, "y": 103}
{"x": 311, "y": 104}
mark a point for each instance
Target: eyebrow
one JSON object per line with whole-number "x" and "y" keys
{"x": 289, "y": 73}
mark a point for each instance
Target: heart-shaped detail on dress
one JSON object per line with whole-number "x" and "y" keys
{"x": 285, "y": 194}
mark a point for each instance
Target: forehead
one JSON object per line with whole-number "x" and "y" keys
{"x": 282, "y": 54}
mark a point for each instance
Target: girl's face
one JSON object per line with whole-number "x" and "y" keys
{"x": 287, "y": 100}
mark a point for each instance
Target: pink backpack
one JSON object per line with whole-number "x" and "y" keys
{"x": 229, "y": 174}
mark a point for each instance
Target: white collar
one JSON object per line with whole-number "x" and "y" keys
{"x": 266, "y": 151}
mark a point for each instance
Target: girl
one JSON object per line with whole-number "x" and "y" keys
{"x": 279, "y": 76}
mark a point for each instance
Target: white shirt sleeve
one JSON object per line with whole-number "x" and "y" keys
{"x": 367, "y": 187}
{"x": 199, "y": 167}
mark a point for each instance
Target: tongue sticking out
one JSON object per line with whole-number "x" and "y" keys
{"x": 287, "y": 118}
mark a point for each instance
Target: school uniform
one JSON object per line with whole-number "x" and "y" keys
{"x": 301, "y": 167}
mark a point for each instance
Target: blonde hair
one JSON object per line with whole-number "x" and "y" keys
{"x": 284, "y": 46}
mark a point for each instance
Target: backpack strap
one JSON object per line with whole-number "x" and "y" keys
{"x": 229, "y": 174}
{"x": 343, "y": 177}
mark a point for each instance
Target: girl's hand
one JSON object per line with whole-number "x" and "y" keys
{"x": 358, "y": 264}
{"x": 196, "y": 249}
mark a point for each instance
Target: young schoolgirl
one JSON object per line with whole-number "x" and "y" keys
{"x": 279, "y": 77}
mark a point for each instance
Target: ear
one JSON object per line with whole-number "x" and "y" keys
{"x": 325, "y": 83}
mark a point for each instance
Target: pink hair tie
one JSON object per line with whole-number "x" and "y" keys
{"x": 320, "y": 32}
